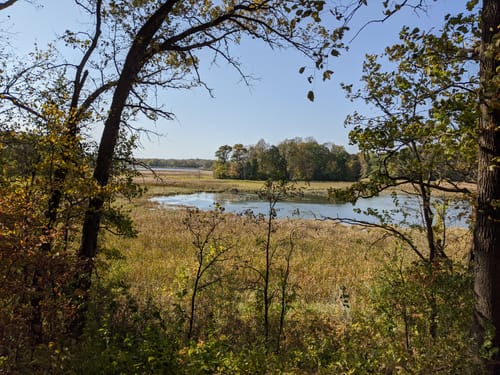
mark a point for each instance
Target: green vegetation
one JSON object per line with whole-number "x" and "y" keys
{"x": 420, "y": 134}
{"x": 341, "y": 299}
{"x": 187, "y": 295}
{"x": 292, "y": 159}
{"x": 97, "y": 279}
{"x": 177, "y": 163}
{"x": 58, "y": 197}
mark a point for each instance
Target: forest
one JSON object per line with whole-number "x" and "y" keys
{"x": 292, "y": 159}
{"x": 176, "y": 163}
{"x": 96, "y": 278}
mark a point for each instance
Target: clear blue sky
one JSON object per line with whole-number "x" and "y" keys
{"x": 273, "y": 108}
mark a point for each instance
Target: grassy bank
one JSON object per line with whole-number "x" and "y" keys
{"x": 187, "y": 181}
{"x": 176, "y": 182}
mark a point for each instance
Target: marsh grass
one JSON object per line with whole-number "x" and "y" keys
{"x": 176, "y": 182}
{"x": 173, "y": 182}
{"x": 334, "y": 271}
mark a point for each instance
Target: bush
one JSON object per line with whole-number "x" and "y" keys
{"x": 394, "y": 336}
{"x": 122, "y": 338}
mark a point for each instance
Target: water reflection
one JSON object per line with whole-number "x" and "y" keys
{"x": 408, "y": 213}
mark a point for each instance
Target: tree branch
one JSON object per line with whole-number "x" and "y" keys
{"x": 18, "y": 103}
{"x": 94, "y": 96}
{"x": 80, "y": 75}
{"x": 388, "y": 14}
{"x": 7, "y": 4}
{"x": 388, "y": 228}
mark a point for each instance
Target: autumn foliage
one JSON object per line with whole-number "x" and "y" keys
{"x": 37, "y": 300}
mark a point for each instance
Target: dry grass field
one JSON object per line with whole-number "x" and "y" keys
{"x": 329, "y": 275}
{"x": 182, "y": 181}
{"x": 327, "y": 254}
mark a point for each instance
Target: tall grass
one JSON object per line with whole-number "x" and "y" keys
{"x": 175, "y": 182}
{"x": 333, "y": 289}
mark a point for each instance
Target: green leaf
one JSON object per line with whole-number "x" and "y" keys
{"x": 301, "y": 70}
{"x": 310, "y": 96}
{"x": 471, "y": 4}
{"x": 327, "y": 74}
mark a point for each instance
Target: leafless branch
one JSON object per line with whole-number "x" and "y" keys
{"x": 388, "y": 14}
{"x": 198, "y": 75}
{"x": 7, "y": 4}
{"x": 19, "y": 104}
{"x": 80, "y": 3}
{"x": 231, "y": 61}
{"x": 81, "y": 75}
{"x": 94, "y": 96}
{"x": 147, "y": 110}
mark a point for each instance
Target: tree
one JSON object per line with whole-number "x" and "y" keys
{"x": 289, "y": 148}
{"x": 6, "y": 4}
{"x": 294, "y": 159}
{"x": 423, "y": 130}
{"x": 221, "y": 168}
{"x": 211, "y": 249}
{"x": 56, "y": 110}
{"x": 198, "y": 26}
{"x": 487, "y": 226}
{"x": 314, "y": 159}
{"x": 239, "y": 161}
{"x": 36, "y": 293}
{"x": 487, "y": 212}
{"x": 272, "y": 192}
{"x": 272, "y": 164}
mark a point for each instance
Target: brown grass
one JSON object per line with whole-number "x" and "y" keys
{"x": 176, "y": 182}
{"x": 160, "y": 263}
{"x": 185, "y": 181}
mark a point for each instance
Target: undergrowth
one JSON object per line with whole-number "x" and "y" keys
{"x": 356, "y": 303}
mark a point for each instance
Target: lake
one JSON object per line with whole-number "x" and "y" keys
{"x": 316, "y": 208}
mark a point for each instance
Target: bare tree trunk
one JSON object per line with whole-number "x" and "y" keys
{"x": 431, "y": 244}
{"x": 284, "y": 294}
{"x": 487, "y": 229}
{"x": 102, "y": 172}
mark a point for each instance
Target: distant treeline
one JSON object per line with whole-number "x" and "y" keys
{"x": 178, "y": 163}
{"x": 294, "y": 159}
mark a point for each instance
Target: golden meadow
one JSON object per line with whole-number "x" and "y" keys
{"x": 342, "y": 299}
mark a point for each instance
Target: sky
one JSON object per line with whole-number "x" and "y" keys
{"x": 274, "y": 107}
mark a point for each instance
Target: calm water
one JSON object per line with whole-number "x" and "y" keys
{"x": 314, "y": 208}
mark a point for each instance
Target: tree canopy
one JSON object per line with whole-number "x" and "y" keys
{"x": 292, "y": 159}
{"x": 58, "y": 186}
{"x": 423, "y": 126}
{"x": 124, "y": 52}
